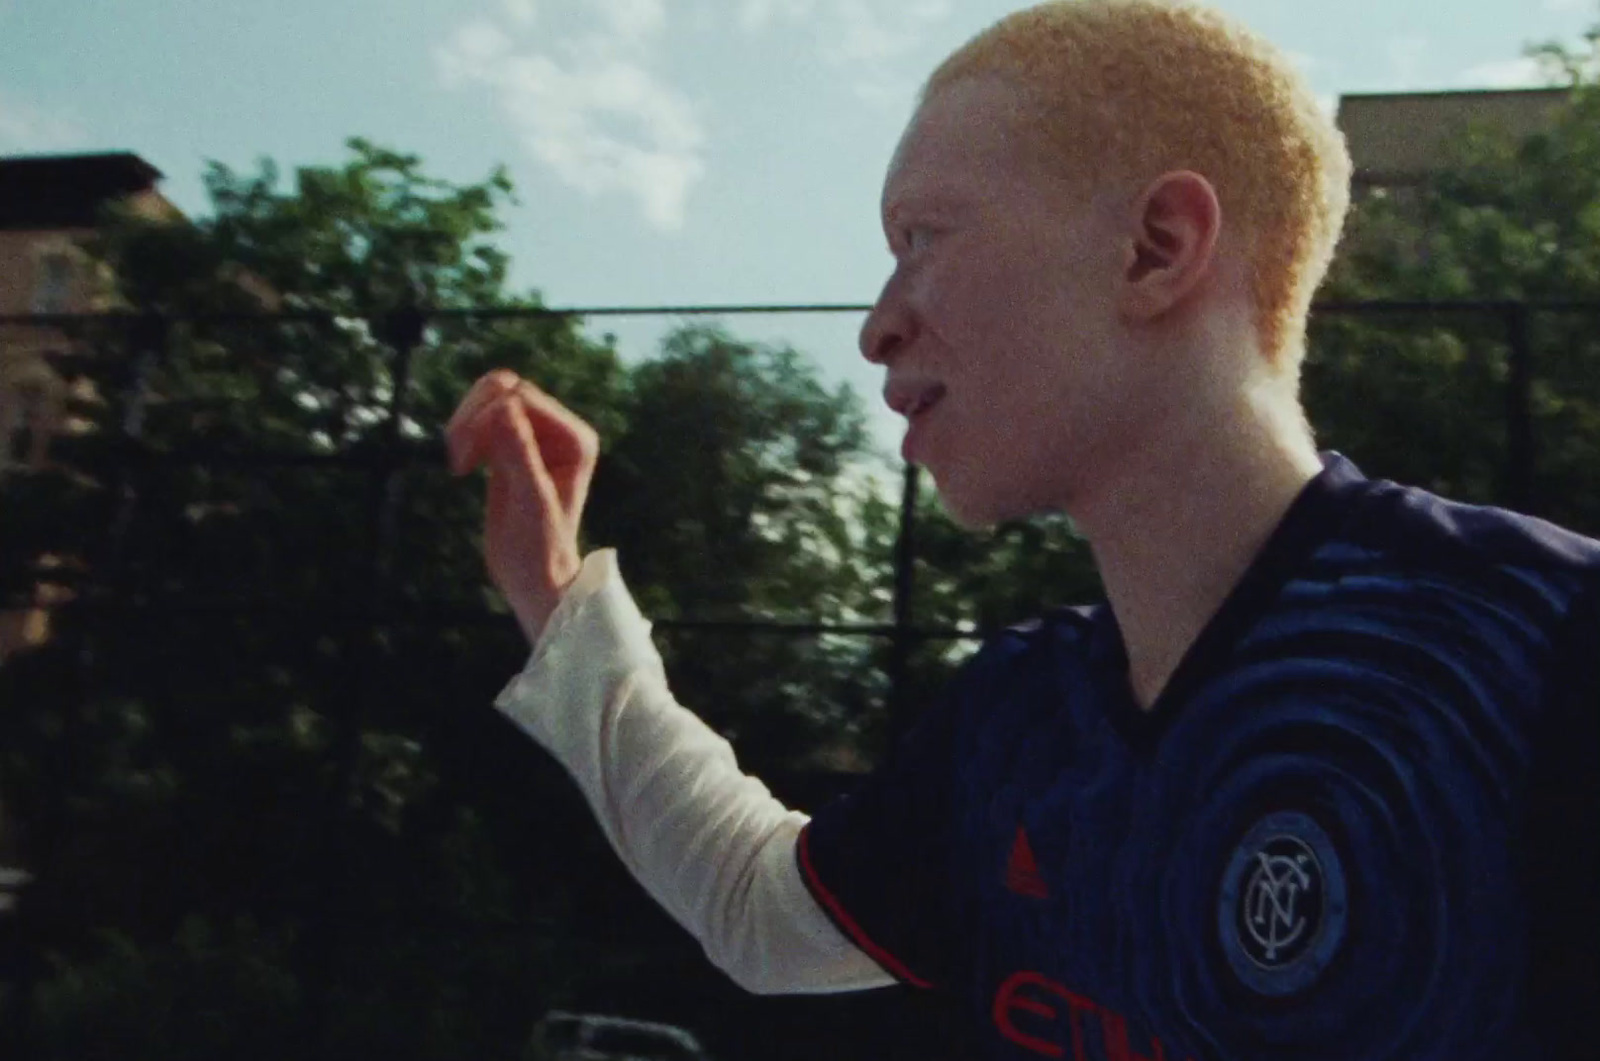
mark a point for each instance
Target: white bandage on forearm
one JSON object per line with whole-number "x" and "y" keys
{"x": 708, "y": 842}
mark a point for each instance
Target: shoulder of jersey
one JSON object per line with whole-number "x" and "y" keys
{"x": 1434, "y": 530}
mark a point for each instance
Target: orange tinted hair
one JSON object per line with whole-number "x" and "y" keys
{"x": 1126, "y": 90}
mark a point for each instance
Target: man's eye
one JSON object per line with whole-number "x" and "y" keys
{"x": 916, "y": 238}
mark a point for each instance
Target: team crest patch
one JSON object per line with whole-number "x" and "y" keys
{"x": 1282, "y": 909}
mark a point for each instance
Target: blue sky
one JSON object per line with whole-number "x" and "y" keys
{"x": 664, "y": 151}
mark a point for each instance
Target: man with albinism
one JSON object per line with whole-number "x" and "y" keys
{"x": 1316, "y": 780}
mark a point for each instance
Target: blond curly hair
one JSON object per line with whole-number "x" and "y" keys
{"x": 1127, "y": 90}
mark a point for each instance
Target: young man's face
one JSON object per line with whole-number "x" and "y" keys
{"x": 1001, "y": 295}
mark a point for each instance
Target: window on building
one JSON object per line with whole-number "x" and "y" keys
{"x": 52, "y": 288}
{"x": 25, "y": 425}
{"x": 16, "y": 423}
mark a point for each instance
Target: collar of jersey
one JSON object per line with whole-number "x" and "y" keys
{"x": 1310, "y": 521}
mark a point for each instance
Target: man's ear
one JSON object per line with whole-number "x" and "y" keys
{"x": 1175, "y": 226}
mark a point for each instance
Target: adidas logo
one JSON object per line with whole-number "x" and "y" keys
{"x": 1022, "y": 870}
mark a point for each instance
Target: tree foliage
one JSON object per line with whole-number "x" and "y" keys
{"x": 1506, "y": 217}
{"x": 287, "y": 820}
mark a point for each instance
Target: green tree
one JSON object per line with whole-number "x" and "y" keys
{"x": 302, "y": 819}
{"x": 731, "y": 495}
{"x": 1505, "y": 218}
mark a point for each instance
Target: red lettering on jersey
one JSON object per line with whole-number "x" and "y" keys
{"x": 1075, "y": 1004}
{"x": 1008, "y": 999}
{"x": 1113, "y": 1026}
{"x": 1022, "y": 869}
{"x": 1116, "y": 1033}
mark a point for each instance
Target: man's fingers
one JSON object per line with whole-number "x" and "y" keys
{"x": 564, "y": 439}
{"x": 567, "y": 430}
{"x": 466, "y": 439}
{"x": 486, "y": 389}
{"x": 567, "y": 447}
{"x": 518, "y": 464}
{"x": 460, "y": 432}
{"x": 467, "y": 436}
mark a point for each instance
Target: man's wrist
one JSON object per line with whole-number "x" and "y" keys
{"x": 533, "y": 620}
{"x": 533, "y": 614}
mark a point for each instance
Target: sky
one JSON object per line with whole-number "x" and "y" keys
{"x": 665, "y": 152}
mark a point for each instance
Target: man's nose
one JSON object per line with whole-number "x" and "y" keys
{"x": 887, "y": 327}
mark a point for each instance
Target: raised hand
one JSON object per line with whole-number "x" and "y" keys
{"x": 541, "y": 459}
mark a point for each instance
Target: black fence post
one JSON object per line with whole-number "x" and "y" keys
{"x": 900, "y": 647}
{"x": 1519, "y": 410}
{"x": 148, "y": 340}
{"x": 402, "y": 331}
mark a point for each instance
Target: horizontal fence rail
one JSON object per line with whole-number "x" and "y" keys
{"x": 405, "y": 329}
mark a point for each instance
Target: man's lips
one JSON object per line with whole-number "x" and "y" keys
{"x": 917, "y": 410}
{"x": 909, "y": 397}
{"x": 926, "y": 402}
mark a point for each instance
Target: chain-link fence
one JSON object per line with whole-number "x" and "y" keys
{"x": 1491, "y": 402}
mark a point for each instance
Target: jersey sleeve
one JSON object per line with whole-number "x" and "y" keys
{"x": 879, "y": 860}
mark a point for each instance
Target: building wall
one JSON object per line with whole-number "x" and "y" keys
{"x": 34, "y": 397}
{"x": 32, "y": 394}
{"x": 1398, "y": 139}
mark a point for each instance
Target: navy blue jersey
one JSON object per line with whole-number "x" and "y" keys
{"x": 1359, "y": 823}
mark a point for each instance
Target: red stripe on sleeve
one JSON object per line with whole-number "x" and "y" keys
{"x": 831, "y": 903}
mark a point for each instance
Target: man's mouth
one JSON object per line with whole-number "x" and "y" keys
{"x": 927, "y": 400}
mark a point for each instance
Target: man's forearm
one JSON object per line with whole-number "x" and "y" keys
{"x": 708, "y": 842}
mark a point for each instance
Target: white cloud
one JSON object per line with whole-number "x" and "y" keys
{"x": 930, "y": 10}
{"x": 633, "y": 21}
{"x": 868, "y": 37}
{"x": 522, "y": 13}
{"x": 477, "y": 45}
{"x": 1506, "y": 73}
{"x": 755, "y": 15}
{"x": 27, "y": 128}
{"x": 589, "y": 107}
{"x": 608, "y": 126}
{"x": 865, "y": 36}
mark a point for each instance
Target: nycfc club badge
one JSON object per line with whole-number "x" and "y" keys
{"x": 1282, "y": 909}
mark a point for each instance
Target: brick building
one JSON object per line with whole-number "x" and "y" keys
{"x": 1398, "y": 138}
{"x": 47, "y": 204}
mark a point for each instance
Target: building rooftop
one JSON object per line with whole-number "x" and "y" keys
{"x": 1398, "y": 138}
{"x": 68, "y": 191}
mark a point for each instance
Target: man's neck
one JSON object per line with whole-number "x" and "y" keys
{"x": 1181, "y": 523}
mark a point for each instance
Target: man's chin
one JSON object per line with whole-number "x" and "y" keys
{"x": 980, "y": 507}
{"x": 970, "y": 510}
